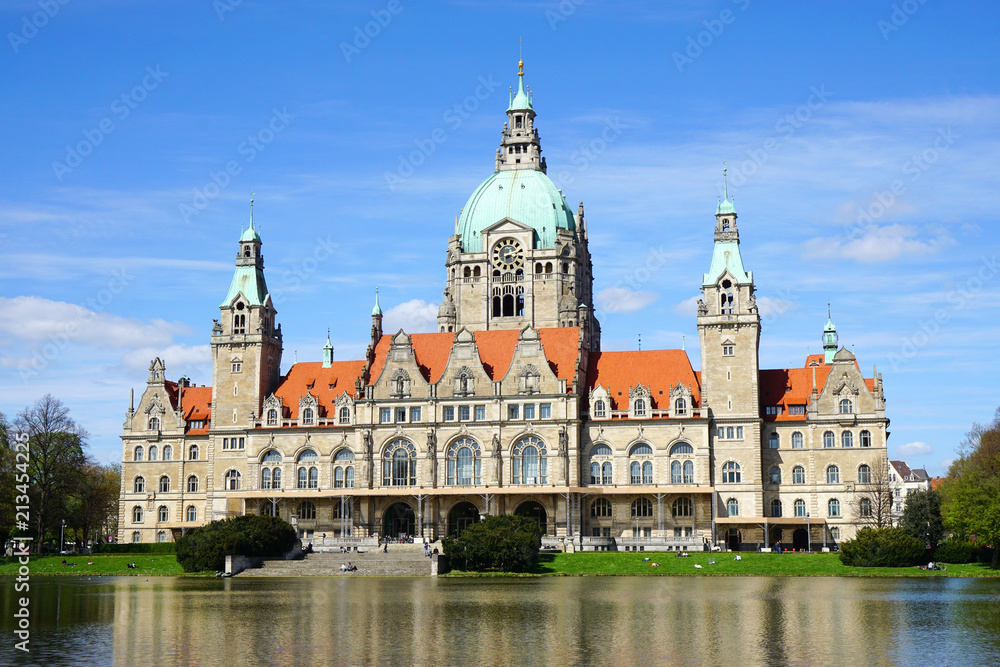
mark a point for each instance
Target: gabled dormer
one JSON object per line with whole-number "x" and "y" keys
{"x": 600, "y": 403}
{"x": 529, "y": 372}
{"x": 640, "y": 402}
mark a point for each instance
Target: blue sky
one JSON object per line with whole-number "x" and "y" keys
{"x": 861, "y": 139}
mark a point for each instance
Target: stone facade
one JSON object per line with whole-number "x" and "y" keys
{"x": 511, "y": 406}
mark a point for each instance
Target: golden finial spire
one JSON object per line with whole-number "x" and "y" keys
{"x": 520, "y": 56}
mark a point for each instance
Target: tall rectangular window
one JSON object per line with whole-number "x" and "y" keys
{"x": 449, "y": 413}
{"x": 480, "y": 413}
{"x": 463, "y": 413}
{"x": 545, "y": 411}
{"x": 414, "y": 414}
{"x": 385, "y": 415}
{"x": 400, "y": 415}
{"x": 513, "y": 411}
{"x": 529, "y": 411}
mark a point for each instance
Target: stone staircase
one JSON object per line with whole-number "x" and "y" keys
{"x": 403, "y": 560}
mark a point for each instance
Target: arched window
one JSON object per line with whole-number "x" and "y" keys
{"x": 139, "y": 485}
{"x": 798, "y": 475}
{"x": 313, "y": 477}
{"x": 775, "y": 508}
{"x": 193, "y": 453}
{"x": 307, "y": 511}
{"x": 600, "y": 410}
{"x": 600, "y": 508}
{"x": 137, "y": 455}
{"x": 464, "y": 463}
{"x": 136, "y": 537}
{"x": 846, "y": 439}
{"x": 399, "y": 464}
{"x": 773, "y": 441}
{"x": 338, "y": 478}
{"x": 800, "y": 507}
{"x": 345, "y": 415}
{"x": 796, "y": 440}
{"x": 349, "y": 477}
{"x": 833, "y": 507}
{"x": 733, "y": 507}
{"x": 731, "y": 472}
{"x": 676, "y": 476}
{"x": 601, "y": 449}
{"x": 272, "y": 417}
{"x": 866, "y": 439}
{"x": 137, "y": 514}
{"x": 864, "y": 474}
{"x": 192, "y": 514}
{"x": 265, "y": 478}
{"x": 529, "y": 462}
{"x": 276, "y": 478}
{"x": 606, "y": 473}
{"x": 271, "y": 456}
{"x": 343, "y": 455}
{"x": 641, "y": 449}
{"x": 689, "y": 472}
{"x": 168, "y": 453}
{"x": 164, "y": 484}
{"x": 680, "y": 407}
{"x": 307, "y": 416}
{"x": 846, "y": 406}
{"x": 152, "y": 453}
{"x": 163, "y": 514}
{"x": 832, "y": 474}
{"x": 681, "y": 448}
{"x": 682, "y": 507}
{"x": 642, "y": 507}
{"x": 865, "y": 507}
{"x": 233, "y": 480}
{"x": 640, "y": 407}
{"x": 829, "y": 439}
{"x": 161, "y": 536}
{"x": 774, "y": 475}
{"x": 192, "y": 485}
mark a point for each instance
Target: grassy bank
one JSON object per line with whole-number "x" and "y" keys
{"x": 753, "y": 564}
{"x": 97, "y": 564}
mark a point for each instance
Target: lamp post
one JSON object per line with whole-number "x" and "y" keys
{"x": 62, "y": 532}
{"x": 808, "y": 536}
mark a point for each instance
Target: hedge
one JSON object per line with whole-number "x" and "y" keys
{"x": 505, "y": 543}
{"x": 883, "y": 547}
{"x": 958, "y": 551}
{"x": 206, "y": 548}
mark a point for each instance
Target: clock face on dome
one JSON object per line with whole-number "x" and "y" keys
{"x": 507, "y": 254}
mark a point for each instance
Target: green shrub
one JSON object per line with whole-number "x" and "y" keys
{"x": 206, "y": 548}
{"x": 956, "y": 551}
{"x": 504, "y": 543}
{"x": 883, "y": 547}
{"x": 140, "y": 548}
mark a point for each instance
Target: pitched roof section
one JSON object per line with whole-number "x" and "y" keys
{"x": 496, "y": 350}
{"x": 197, "y": 404}
{"x": 660, "y": 370}
{"x": 326, "y": 384}
{"x": 785, "y": 387}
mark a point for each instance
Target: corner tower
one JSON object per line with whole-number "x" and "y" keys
{"x": 519, "y": 255}
{"x": 246, "y": 341}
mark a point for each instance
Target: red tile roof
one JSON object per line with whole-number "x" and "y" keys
{"x": 792, "y": 386}
{"x": 659, "y": 370}
{"x": 197, "y": 404}
{"x": 326, "y": 384}
{"x": 496, "y": 350}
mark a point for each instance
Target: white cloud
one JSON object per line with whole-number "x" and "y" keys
{"x": 175, "y": 357}
{"x": 39, "y": 320}
{"x": 774, "y": 307}
{"x": 877, "y": 244}
{"x": 916, "y": 448}
{"x": 688, "y": 307}
{"x": 623, "y": 300}
{"x": 413, "y": 316}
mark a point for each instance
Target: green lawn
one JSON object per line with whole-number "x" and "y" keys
{"x": 103, "y": 564}
{"x": 755, "y": 564}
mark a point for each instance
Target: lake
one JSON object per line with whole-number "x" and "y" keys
{"x": 538, "y": 621}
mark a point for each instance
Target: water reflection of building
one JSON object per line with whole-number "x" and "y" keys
{"x": 511, "y": 406}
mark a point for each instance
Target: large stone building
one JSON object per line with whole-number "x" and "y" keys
{"x": 512, "y": 406}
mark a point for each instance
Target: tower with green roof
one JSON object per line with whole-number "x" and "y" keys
{"x": 246, "y": 341}
{"x": 519, "y": 256}
{"x": 830, "y": 337}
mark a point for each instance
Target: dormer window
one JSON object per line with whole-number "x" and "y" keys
{"x": 272, "y": 417}
{"x": 345, "y": 415}
{"x": 600, "y": 410}
{"x": 680, "y": 407}
{"x": 307, "y": 417}
{"x": 846, "y": 406}
{"x": 640, "y": 407}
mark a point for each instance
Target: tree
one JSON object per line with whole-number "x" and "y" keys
{"x": 95, "y": 500}
{"x": 972, "y": 488}
{"x": 206, "y": 548}
{"x": 872, "y": 501}
{"x": 922, "y": 516}
{"x": 56, "y": 454}
{"x": 8, "y": 470}
{"x": 506, "y": 542}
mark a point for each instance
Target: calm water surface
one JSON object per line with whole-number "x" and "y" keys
{"x": 551, "y": 621}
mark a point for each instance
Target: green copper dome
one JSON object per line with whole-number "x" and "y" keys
{"x": 250, "y": 235}
{"x": 725, "y": 207}
{"x": 524, "y": 195}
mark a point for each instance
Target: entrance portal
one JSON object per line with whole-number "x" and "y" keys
{"x": 460, "y": 517}
{"x": 399, "y": 520}
{"x": 535, "y": 511}
{"x": 800, "y": 539}
{"x": 733, "y": 539}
